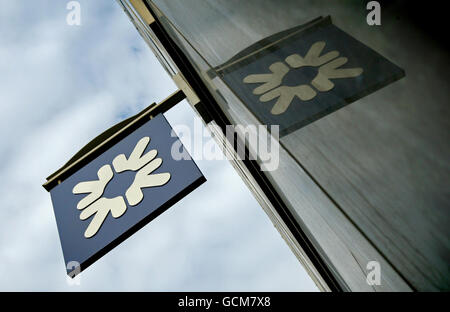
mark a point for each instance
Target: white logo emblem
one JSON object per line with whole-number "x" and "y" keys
{"x": 329, "y": 68}
{"x": 94, "y": 203}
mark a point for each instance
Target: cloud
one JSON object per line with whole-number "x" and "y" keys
{"x": 61, "y": 86}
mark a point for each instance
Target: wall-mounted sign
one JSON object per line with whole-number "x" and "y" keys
{"x": 302, "y": 74}
{"x": 120, "y": 191}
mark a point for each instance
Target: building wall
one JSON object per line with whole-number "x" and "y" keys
{"x": 368, "y": 182}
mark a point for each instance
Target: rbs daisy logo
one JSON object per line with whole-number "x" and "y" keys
{"x": 95, "y": 204}
{"x": 299, "y": 75}
{"x": 121, "y": 189}
{"x": 329, "y": 67}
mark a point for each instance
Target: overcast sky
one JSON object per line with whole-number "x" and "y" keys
{"x": 62, "y": 85}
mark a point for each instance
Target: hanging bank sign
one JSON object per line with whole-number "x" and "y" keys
{"x": 302, "y": 74}
{"x": 119, "y": 191}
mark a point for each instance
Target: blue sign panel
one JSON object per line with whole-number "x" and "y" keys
{"x": 300, "y": 75}
{"x": 120, "y": 191}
